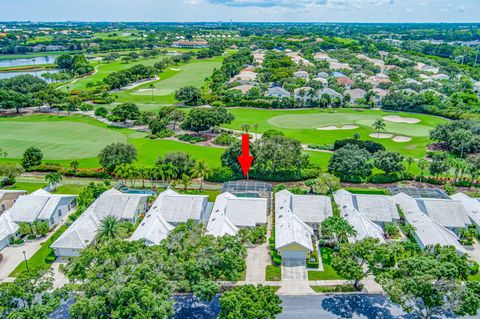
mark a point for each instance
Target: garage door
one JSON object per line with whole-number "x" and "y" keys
{"x": 294, "y": 255}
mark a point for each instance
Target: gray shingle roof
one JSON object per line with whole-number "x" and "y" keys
{"x": 179, "y": 208}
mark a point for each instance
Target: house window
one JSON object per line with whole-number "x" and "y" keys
{"x": 59, "y": 213}
{"x": 51, "y": 220}
{"x": 3, "y": 207}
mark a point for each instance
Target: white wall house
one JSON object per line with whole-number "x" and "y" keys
{"x": 8, "y": 229}
{"x": 230, "y": 213}
{"x": 41, "y": 206}
{"x": 82, "y": 232}
{"x": 8, "y": 198}
{"x": 472, "y": 207}
{"x": 427, "y": 230}
{"x": 293, "y": 237}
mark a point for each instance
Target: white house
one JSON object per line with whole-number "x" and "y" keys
{"x": 8, "y": 198}
{"x": 355, "y": 94}
{"x": 471, "y": 205}
{"x": 277, "y": 91}
{"x": 449, "y": 213}
{"x": 304, "y": 93}
{"x": 230, "y": 213}
{"x": 293, "y": 237}
{"x": 41, "y": 206}
{"x": 330, "y": 92}
{"x": 153, "y": 228}
{"x": 301, "y": 74}
{"x": 427, "y": 230}
{"x": 124, "y": 206}
{"x": 8, "y": 229}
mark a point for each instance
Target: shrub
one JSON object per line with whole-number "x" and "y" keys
{"x": 224, "y": 139}
{"x": 325, "y": 147}
{"x": 473, "y": 267}
{"x": 190, "y": 138}
{"x": 371, "y": 146}
{"x": 223, "y": 174}
{"x": 385, "y": 178}
{"x": 101, "y": 111}
{"x": 165, "y": 133}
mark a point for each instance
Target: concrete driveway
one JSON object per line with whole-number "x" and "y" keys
{"x": 293, "y": 270}
{"x": 257, "y": 261}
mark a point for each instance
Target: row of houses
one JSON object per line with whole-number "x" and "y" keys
{"x": 40, "y": 206}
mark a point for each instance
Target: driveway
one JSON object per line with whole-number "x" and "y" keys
{"x": 13, "y": 255}
{"x": 292, "y": 270}
{"x": 257, "y": 261}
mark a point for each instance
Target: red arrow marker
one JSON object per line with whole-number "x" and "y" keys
{"x": 245, "y": 159}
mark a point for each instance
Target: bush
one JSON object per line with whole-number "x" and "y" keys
{"x": 50, "y": 258}
{"x": 225, "y": 139}
{"x": 165, "y": 133}
{"x": 190, "y": 138}
{"x": 324, "y": 147}
{"x": 473, "y": 267}
{"x": 223, "y": 174}
{"x": 385, "y": 178}
{"x": 371, "y": 146}
{"x": 101, "y": 111}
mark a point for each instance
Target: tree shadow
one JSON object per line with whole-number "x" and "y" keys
{"x": 188, "y": 306}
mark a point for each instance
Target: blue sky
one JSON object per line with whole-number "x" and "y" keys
{"x": 243, "y": 10}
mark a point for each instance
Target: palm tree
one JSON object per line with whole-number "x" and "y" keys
{"x": 53, "y": 179}
{"x": 410, "y": 161}
{"x": 379, "y": 125}
{"x": 185, "y": 181}
{"x": 255, "y": 128}
{"x": 151, "y": 86}
{"x": 422, "y": 165}
{"x": 202, "y": 171}
{"x": 110, "y": 228}
{"x": 245, "y": 127}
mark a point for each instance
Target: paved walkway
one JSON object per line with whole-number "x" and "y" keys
{"x": 294, "y": 271}
{"x": 13, "y": 255}
{"x": 59, "y": 278}
{"x": 257, "y": 261}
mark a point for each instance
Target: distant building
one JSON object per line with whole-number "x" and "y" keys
{"x": 8, "y": 229}
{"x": 355, "y": 94}
{"x": 8, "y": 198}
{"x": 195, "y": 44}
{"x": 277, "y": 91}
{"x": 301, "y": 74}
{"x": 344, "y": 81}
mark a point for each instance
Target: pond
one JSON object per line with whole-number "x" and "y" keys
{"x": 49, "y": 59}
{"x": 38, "y": 74}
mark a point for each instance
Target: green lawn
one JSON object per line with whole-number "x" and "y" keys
{"x": 172, "y": 79}
{"x": 328, "y": 272}
{"x": 339, "y": 288}
{"x": 273, "y": 273}
{"x": 63, "y": 139}
{"x": 38, "y": 259}
{"x": 369, "y": 191}
{"x": 27, "y": 186}
{"x": 303, "y": 124}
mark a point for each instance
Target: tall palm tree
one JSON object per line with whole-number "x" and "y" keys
{"x": 255, "y": 128}
{"x": 245, "y": 127}
{"x": 422, "y": 165}
{"x": 410, "y": 161}
{"x": 110, "y": 228}
{"x": 151, "y": 86}
{"x": 202, "y": 171}
{"x": 379, "y": 125}
{"x": 185, "y": 181}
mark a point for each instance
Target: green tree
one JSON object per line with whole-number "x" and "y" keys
{"x": 110, "y": 228}
{"x": 389, "y": 162}
{"x": 32, "y": 157}
{"x": 350, "y": 162}
{"x": 190, "y": 95}
{"x": 74, "y": 165}
{"x": 250, "y": 302}
{"x": 324, "y": 184}
{"x": 126, "y": 111}
{"x": 185, "y": 181}
{"x": 422, "y": 165}
{"x": 41, "y": 228}
{"x": 410, "y": 161}
{"x": 379, "y": 125}
{"x": 116, "y": 154}
{"x": 202, "y": 119}
{"x": 10, "y": 171}
{"x": 25, "y": 229}
{"x": 201, "y": 171}
{"x": 53, "y": 178}
{"x": 338, "y": 228}
{"x": 439, "y": 164}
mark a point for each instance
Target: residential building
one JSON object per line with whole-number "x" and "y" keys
{"x": 293, "y": 237}
{"x": 41, "y": 206}
{"x": 472, "y": 207}
{"x": 322, "y": 80}
{"x": 344, "y": 81}
{"x": 355, "y": 94}
{"x": 440, "y": 76}
{"x": 244, "y": 88}
{"x": 195, "y": 44}
{"x": 330, "y": 92}
{"x": 278, "y": 91}
{"x": 380, "y": 94}
{"x": 178, "y": 208}
{"x": 230, "y": 213}
{"x": 339, "y": 66}
{"x": 301, "y": 74}
{"x": 245, "y": 76}
{"x": 321, "y": 56}
{"x": 304, "y": 93}
{"x": 8, "y": 198}
{"x": 82, "y": 233}
{"x": 8, "y": 229}
{"x": 153, "y": 228}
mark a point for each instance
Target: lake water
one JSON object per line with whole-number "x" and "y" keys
{"x": 38, "y": 74}
{"x": 48, "y": 59}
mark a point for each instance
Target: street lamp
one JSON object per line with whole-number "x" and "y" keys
{"x": 25, "y": 257}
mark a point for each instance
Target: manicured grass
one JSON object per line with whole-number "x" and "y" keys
{"x": 27, "y": 186}
{"x": 63, "y": 139}
{"x": 328, "y": 272}
{"x": 303, "y": 124}
{"x": 71, "y": 189}
{"x": 212, "y": 194}
{"x": 172, "y": 79}
{"x": 38, "y": 259}
{"x": 339, "y": 288}
{"x": 370, "y": 191}
{"x": 273, "y": 273}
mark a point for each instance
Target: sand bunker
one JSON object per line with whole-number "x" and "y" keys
{"x": 380, "y": 135}
{"x": 399, "y": 119}
{"x": 333, "y": 127}
{"x": 402, "y": 139}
